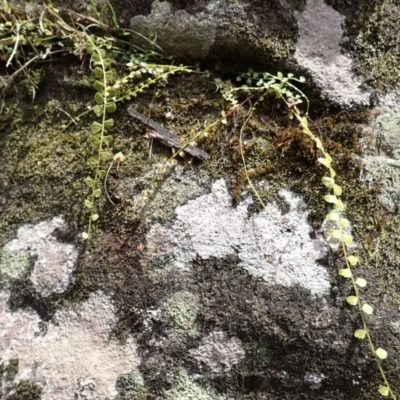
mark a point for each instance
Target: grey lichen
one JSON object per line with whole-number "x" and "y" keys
{"x": 219, "y": 352}
{"x": 179, "y": 313}
{"x": 387, "y": 126}
{"x": 185, "y": 388}
{"x": 12, "y": 265}
{"x": 177, "y": 188}
{"x": 273, "y": 246}
{"x": 59, "y": 359}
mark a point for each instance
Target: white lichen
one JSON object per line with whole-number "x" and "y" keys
{"x": 219, "y": 352}
{"x": 75, "y": 357}
{"x": 273, "y": 246}
{"x": 318, "y": 50}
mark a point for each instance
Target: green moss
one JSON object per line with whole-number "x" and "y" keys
{"x": 377, "y": 46}
{"x": 278, "y": 48}
{"x": 45, "y": 164}
{"x": 26, "y": 390}
{"x": 11, "y": 370}
{"x": 21, "y": 390}
{"x": 180, "y": 187}
{"x": 29, "y": 85}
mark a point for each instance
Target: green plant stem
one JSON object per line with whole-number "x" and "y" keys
{"x": 364, "y": 323}
{"x": 255, "y": 191}
{"x": 105, "y": 183}
{"x": 96, "y": 176}
{"x": 15, "y": 46}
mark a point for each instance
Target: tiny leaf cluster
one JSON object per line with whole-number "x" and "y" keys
{"x": 104, "y": 99}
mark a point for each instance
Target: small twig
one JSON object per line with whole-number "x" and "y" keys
{"x": 15, "y": 74}
{"x": 59, "y": 109}
{"x": 19, "y": 70}
{"x": 151, "y": 148}
{"x": 15, "y": 47}
{"x": 147, "y": 39}
{"x": 168, "y": 138}
{"x": 41, "y": 21}
{"x": 105, "y": 184}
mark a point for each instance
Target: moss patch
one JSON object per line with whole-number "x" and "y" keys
{"x": 375, "y": 47}
{"x": 21, "y": 390}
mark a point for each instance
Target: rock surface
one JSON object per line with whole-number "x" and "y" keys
{"x": 205, "y": 290}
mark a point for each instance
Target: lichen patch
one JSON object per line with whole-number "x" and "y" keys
{"x": 318, "y": 51}
{"x": 55, "y": 261}
{"x": 273, "y": 246}
{"x": 75, "y": 357}
{"x": 219, "y": 352}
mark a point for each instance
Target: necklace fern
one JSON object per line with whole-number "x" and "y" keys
{"x": 284, "y": 88}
